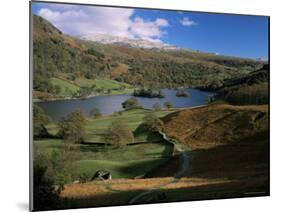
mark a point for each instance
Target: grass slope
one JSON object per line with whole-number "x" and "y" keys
{"x": 216, "y": 124}
{"x": 226, "y": 142}
{"x": 148, "y": 152}
{"x": 66, "y": 88}
{"x": 100, "y": 83}
{"x": 137, "y": 160}
{"x": 133, "y": 118}
{"x": 96, "y": 127}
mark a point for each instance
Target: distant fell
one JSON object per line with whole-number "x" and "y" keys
{"x": 57, "y": 55}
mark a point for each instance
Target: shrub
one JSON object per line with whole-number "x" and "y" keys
{"x": 95, "y": 113}
{"x": 131, "y": 103}
{"x": 118, "y": 134}
{"x": 152, "y": 122}
{"x": 44, "y": 193}
{"x": 40, "y": 119}
{"x": 73, "y": 127}
{"x": 168, "y": 104}
{"x": 84, "y": 177}
{"x": 156, "y": 106}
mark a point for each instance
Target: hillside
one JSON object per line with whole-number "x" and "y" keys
{"x": 60, "y": 56}
{"x": 217, "y": 124}
{"x": 227, "y": 142}
{"x": 233, "y": 164}
{"x": 175, "y": 68}
{"x": 56, "y": 53}
{"x": 252, "y": 88}
{"x": 127, "y": 42}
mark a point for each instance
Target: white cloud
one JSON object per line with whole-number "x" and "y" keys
{"x": 148, "y": 30}
{"x": 79, "y": 20}
{"x": 186, "y": 21}
{"x": 161, "y": 22}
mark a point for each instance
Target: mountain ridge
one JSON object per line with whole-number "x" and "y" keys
{"x": 125, "y": 41}
{"x": 58, "y": 55}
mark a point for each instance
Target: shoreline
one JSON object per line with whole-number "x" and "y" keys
{"x": 130, "y": 93}
{"x": 36, "y": 100}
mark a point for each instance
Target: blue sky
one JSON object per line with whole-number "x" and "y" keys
{"x": 242, "y": 36}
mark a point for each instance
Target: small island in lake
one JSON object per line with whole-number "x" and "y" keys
{"x": 182, "y": 93}
{"x": 150, "y": 93}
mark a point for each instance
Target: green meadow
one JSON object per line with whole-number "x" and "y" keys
{"x": 125, "y": 162}
{"x": 96, "y": 127}
{"x": 148, "y": 150}
{"x": 98, "y": 86}
{"x": 66, "y": 88}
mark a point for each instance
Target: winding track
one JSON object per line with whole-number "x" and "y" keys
{"x": 179, "y": 174}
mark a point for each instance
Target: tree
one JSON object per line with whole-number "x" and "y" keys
{"x": 40, "y": 119}
{"x": 161, "y": 94}
{"x": 60, "y": 163}
{"x": 130, "y": 103}
{"x": 168, "y": 104}
{"x": 149, "y": 93}
{"x": 85, "y": 91}
{"x": 122, "y": 87}
{"x": 57, "y": 89}
{"x": 95, "y": 113}
{"x": 118, "y": 134}
{"x": 44, "y": 192}
{"x": 156, "y": 106}
{"x": 152, "y": 122}
{"x": 72, "y": 128}
{"x": 94, "y": 52}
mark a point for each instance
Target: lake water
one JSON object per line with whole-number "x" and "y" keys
{"x": 110, "y": 104}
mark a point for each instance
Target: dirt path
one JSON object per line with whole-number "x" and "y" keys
{"x": 179, "y": 174}
{"x": 185, "y": 158}
{"x": 184, "y": 155}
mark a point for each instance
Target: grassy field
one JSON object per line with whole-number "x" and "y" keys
{"x": 148, "y": 152}
{"x": 132, "y": 117}
{"x": 114, "y": 86}
{"x": 109, "y": 84}
{"x": 69, "y": 88}
{"x": 66, "y": 88}
{"x": 100, "y": 83}
{"x": 96, "y": 127}
{"x": 125, "y": 162}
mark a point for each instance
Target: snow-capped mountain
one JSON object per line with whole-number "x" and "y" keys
{"x": 136, "y": 43}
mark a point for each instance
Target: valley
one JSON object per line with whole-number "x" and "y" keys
{"x": 167, "y": 123}
{"x": 65, "y": 66}
{"x": 150, "y": 170}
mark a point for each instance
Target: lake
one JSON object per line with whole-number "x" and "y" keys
{"x": 110, "y": 104}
